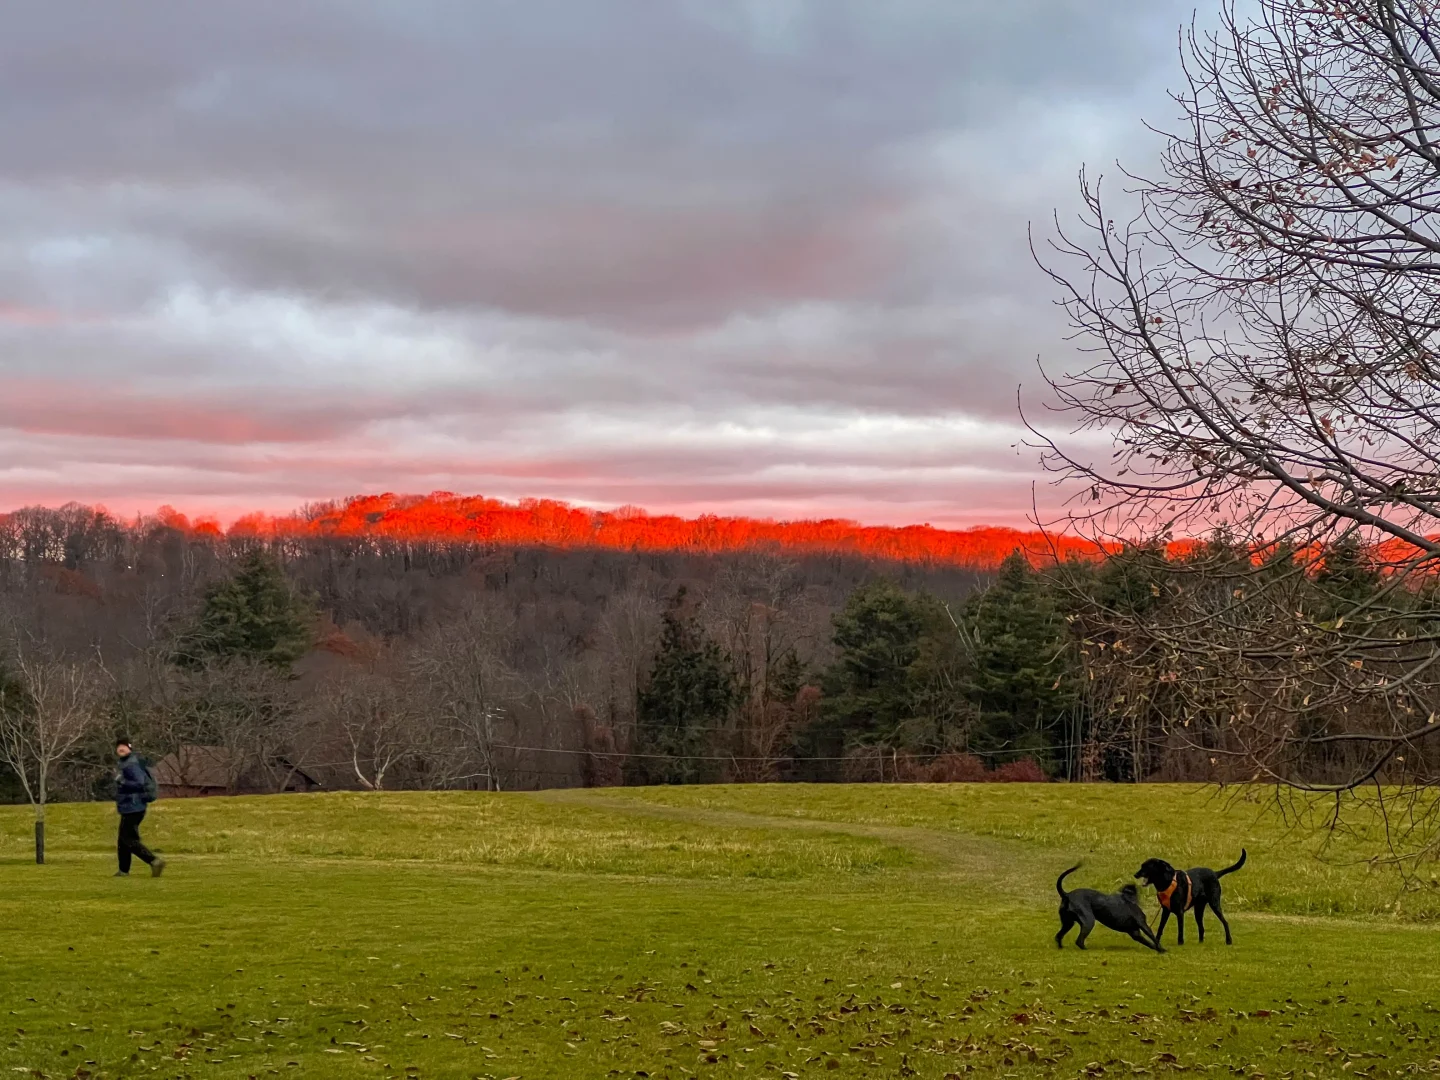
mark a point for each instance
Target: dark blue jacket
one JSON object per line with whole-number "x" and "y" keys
{"x": 130, "y": 786}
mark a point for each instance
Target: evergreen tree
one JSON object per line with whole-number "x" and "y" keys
{"x": 786, "y": 678}
{"x": 692, "y": 691}
{"x": 1020, "y": 663}
{"x": 13, "y": 699}
{"x": 253, "y": 615}
{"x": 893, "y": 681}
{"x": 1348, "y": 577}
{"x": 1133, "y": 580}
{"x": 13, "y": 695}
{"x": 867, "y": 689}
{"x": 1105, "y": 603}
{"x": 941, "y": 717}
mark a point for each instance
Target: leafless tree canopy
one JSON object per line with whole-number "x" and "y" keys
{"x": 49, "y": 705}
{"x": 1260, "y": 324}
{"x": 54, "y": 706}
{"x": 1263, "y": 326}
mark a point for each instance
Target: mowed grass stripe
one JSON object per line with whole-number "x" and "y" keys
{"x": 625, "y": 932}
{"x": 1297, "y": 865}
{"x": 508, "y": 830}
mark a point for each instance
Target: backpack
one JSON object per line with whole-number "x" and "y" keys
{"x": 152, "y": 789}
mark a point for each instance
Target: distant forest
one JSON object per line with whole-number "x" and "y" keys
{"x": 413, "y": 658}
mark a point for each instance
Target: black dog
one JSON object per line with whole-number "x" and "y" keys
{"x": 1119, "y": 911}
{"x": 1181, "y": 890}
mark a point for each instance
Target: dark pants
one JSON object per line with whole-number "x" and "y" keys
{"x": 130, "y": 842}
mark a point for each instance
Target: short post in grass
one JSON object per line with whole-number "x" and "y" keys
{"x": 42, "y": 791}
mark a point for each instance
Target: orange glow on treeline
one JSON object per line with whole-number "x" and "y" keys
{"x": 446, "y": 518}
{"x": 443, "y": 517}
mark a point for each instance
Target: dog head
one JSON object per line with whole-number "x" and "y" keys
{"x": 1130, "y": 893}
{"x": 1155, "y": 872}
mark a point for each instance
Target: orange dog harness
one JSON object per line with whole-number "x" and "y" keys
{"x": 1165, "y": 897}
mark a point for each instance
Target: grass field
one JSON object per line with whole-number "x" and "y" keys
{"x": 782, "y": 931}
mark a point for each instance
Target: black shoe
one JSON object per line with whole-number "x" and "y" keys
{"x": 157, "y": 867}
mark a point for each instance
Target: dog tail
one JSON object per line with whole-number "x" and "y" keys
{"x": 1232, "y": 869}
{"x": 1060, "y": 881}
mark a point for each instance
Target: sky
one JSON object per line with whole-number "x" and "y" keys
{"x": 759, "y": 257}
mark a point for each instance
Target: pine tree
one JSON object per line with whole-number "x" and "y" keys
{"x": 1020, "y": 663}
{"x": 1133, "y": 580}
{"x": 867, "y": 689}
{"x": 692, "y": 691}
{"x": 1348, "y": 577}
{"x": 254, "y": 615}
{"x": 941, "y": 716}
{"x": 13, "y": 699}
{"x": 896, "y": 653}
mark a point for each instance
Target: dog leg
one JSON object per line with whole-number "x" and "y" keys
{"x": 1180, "y": 926}
{"x": 1164, "y": 918}
{"x": 1155, "y": 938}
{"x": 1067, "y": 920}
{"x": 1087, "y": 923}
{"x": 1215, "y": 907}
{"x": 1143, "y": 940}
{"x": 1200, "y": 921}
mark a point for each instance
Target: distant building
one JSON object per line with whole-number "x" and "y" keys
{"x": 194, "y": 771}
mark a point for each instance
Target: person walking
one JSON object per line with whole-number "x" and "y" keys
{"x": 134, "y": 791}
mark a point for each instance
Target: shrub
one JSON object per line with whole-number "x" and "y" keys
{"x": 1024, "y": 771}
{"x": 868, "y": 764}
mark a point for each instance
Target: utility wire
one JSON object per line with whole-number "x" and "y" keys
{"x": 736, "y": 757}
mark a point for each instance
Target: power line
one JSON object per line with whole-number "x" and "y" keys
{"x": 740, "y": 757}
{"x": 663, "y": 757}
{"x": 773, "y": 758}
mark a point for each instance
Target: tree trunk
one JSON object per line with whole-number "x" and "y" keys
{"x": 40, "y": 834}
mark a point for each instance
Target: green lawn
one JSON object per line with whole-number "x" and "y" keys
{"x": 762, "y": 931}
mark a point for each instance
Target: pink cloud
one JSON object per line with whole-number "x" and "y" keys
{"x": 21, "y": 315}
{"x": 53, "y": 407}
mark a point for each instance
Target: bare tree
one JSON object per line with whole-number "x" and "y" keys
{"x": 377, "y": 716}
{"x": 601, "y": 765}
{"x": 248, "y": 708}
{"x": 47, "y": 709}
{"x": 155, "y": 696}
{"x": 1263, "y": 325}
{"x": 758, "y": 612}
{"x": 628, "y": 633}
{"x": 460, "y": 668}
{"x": 767, "y": 732}
{"x": 1262, "y": 332}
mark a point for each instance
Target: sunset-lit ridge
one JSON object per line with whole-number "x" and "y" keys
{"x": 445, "y": 517}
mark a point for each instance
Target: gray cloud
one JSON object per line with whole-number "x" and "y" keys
{"x": 334, "y": 246}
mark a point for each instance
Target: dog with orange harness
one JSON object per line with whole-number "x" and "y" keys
{"x": 1180, "y": 891}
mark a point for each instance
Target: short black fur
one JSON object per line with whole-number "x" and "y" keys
{"x": 1198, "y": 889}
{"x": 1119, "y": 911}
